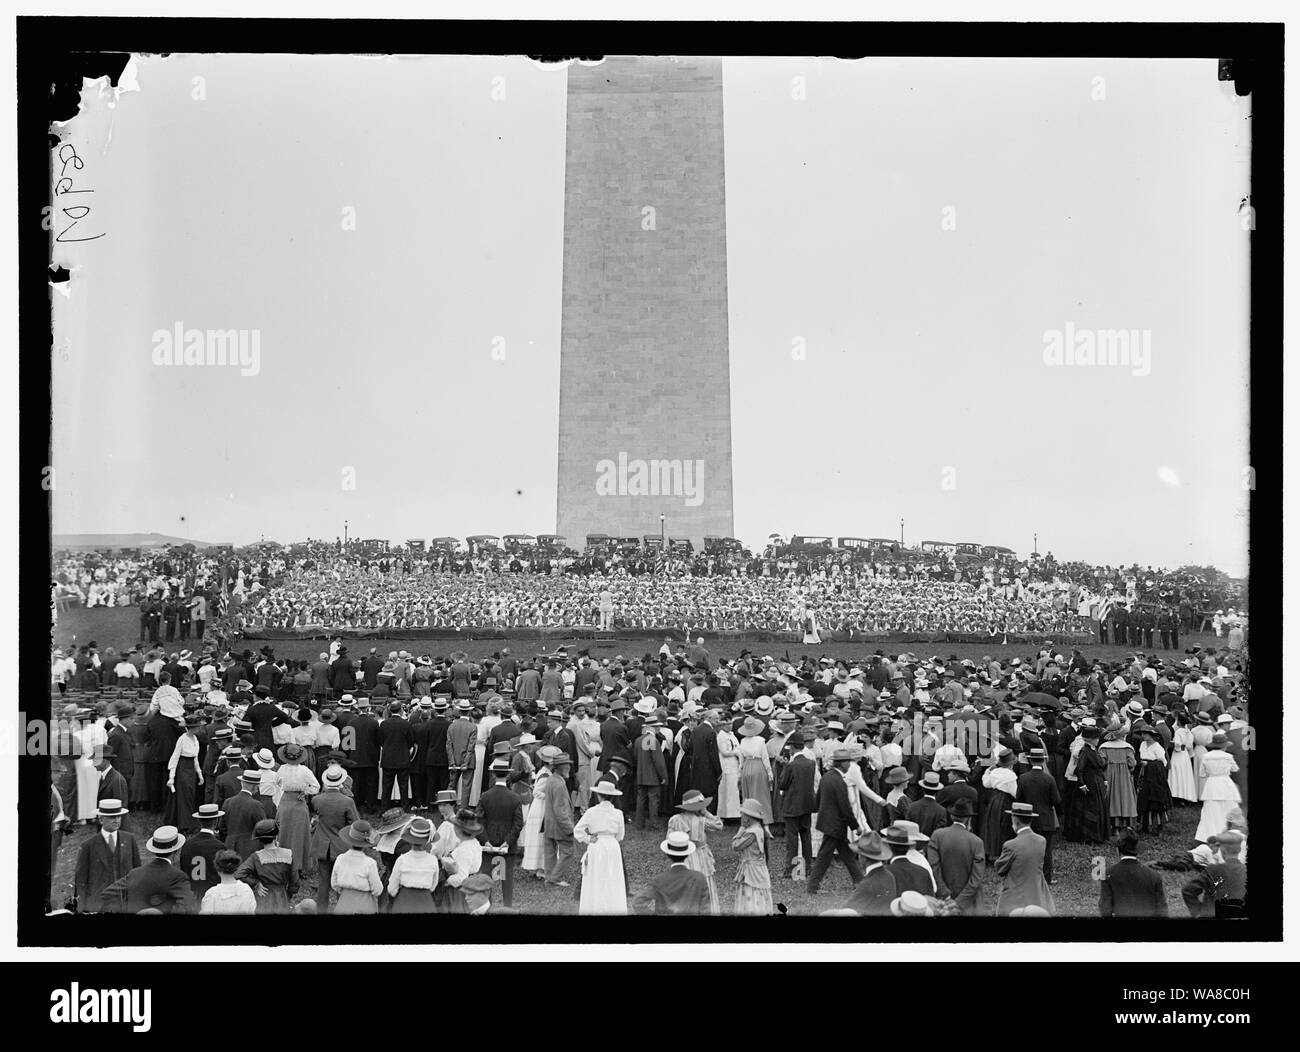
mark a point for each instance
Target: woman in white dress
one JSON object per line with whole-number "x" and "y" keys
{"x": 604, "y": 889}
{"x": 1182, "y": 778}
{"x": 1220, "y": 794}
{"x": 755, "y": 767}
{"x": 1202, "y": 732}
{"x": 93, "y": 739}
{"x": 729, "y": 786}
{"x": 808, "y": 622}
{"x": 532, "y": 834}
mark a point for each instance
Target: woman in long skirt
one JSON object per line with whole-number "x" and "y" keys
{"x": 753, "y": 881}
{"x": 93, "y": 739}
{"x": 531, "y": 837}
{"x": 415, "y": 873}
{"x": 1087, "y": 819}
{"x": 755, "y": 767}
{"x": 695, "y": 820}
{"x": 297, "y": 783}
{"x": 327, "y": 739}
{"x": 729, "y": 785}
{"x": 184, "y": 777}
{"x": 269, "y": 870}
{"x": 1202, "y": 733}
{"x": 1120, "y": 762}
{"x": 1153, "y": 796}
{"x": 604, "y": 888}
{"x": 1182, "y": 778}
{"x": 1220, "y": 794}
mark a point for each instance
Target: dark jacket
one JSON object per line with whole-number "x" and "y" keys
{"x": 834, "y": 813}
{"x": 502, "y": 814}
{"x": 396, "y": 740}
{"x": 263, "y": 716}
{"x": 119, "y": 740}
{"x": 706, "y": 766}
{"x": 1039, "y": 788}
{"x": 198, "y": 862}
{"x": 364, "y": 730}
{"x": 873, "y": 893}
{"x": 1131, "y": 889}
{"x": 957, "y": 857}
{"x": 155, "y": 885}
{"x": 436, "y": 755}
{"x": 677, "y": 890}
{"x": 97, "y": 868}
{"x": 798, "y": 797}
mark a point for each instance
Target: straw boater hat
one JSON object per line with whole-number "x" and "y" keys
{"x": 694, "y": 800}
{"x": 753, "y": 809}
{"x": 930, "y": 782}
{"x": 420, "y": 831}
{"x": 264, "y": 759}
{"x": 333, "y": 778}
{"x": 911, "y": 904}
{"x": 251, "y": 776}
{"x": 165, "y": 841}
{"x": 606, "y": 788}
{"x": 764, "y": 706}
{"x": 1021, "y": 810}
{"x": 110, "y": 808}
{"x": 207, "y": 812}
{"x": 358, "y": 834}
{"x": 678, "y": 845}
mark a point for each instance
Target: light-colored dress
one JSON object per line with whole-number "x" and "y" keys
{"x": 1182, "y": 778}
{"x": 604, "y": 889}
{"x": 697, "y": 825}
{"x": 532, "y": 834}
{"x": 1120, "y": 761}
{"x": 1220, "y": 794}
{"x": 93, "y": 738}
{"x": 753, "y": 881}
{"x": 1202, "y": 736}
{"x": 756, "y": 774}
{"x": 729, "y": 786}
{"x": 229, "y": 898}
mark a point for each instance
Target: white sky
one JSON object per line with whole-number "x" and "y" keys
{"x": 924, "y": 345}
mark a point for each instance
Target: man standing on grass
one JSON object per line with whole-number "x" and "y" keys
{"x": 834, "y": 819}
{"x": 557, "y": 818}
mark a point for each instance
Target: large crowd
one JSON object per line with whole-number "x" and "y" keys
{"x": 408, "y": 783}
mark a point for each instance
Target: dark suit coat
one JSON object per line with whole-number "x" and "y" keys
{"x": 198, "y": 862}
{"x": 502, "y": 814}
{"x": 119, "y": 740}
{"x": 798, "y": 798}
{"x": 396, "y": 739}
{"x": 505, "y": 731}
{"x": 227, "y": 784}
{"x": 333, "y": 811}
{"x": 874, "y": 892}
{"x": 677, "y": 890}
{"x": 1040, "y": 789}
{"x": 957, "y": 857}
{"x": 263, "y": 716}
{"x": 343, "y": 676}
{"x": 365, "y": 740}
{"x": 950, "y": 794}
{"x": 1130, "y": 889}
{"x": 706, "y": 766}
{"x": 161, "y": 734}
{"x": 243, "y": 812}
{"x": 1218, "y": 880}
{"x": 615, "y": 740}
{"x": 420, "y": 735}
{"x": 834, "y": 812}
{"x": 437, "y": 749}
{"x": 155, "y": 885}
{"x": 320, "y": 677}
{"x": 910, "y": 877}
{"x": 97, "y": 868}
{"x": 927, "y": 813}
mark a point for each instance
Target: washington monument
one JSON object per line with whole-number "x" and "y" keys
{"x": 645, "y": 395}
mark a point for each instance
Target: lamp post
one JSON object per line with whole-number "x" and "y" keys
{"x": 345, "y": 533}
{"x": 663, "y": 537}
{"x": 900, "y": 533}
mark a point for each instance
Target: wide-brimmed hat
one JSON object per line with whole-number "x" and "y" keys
{"x": 208, "y": 812}
{"x": 467, "y": 822}
{"x": 898, "y": 776}
{"x": 445, "y": 796}
{"x": 962, "y": 808}
{"x": 358, "y": 834}
{"x": 870, "y": 845}
{"x": 290, "y": 752}
{"x": 911, "y": 904}
{"x": 645, "y": 706}
{"x": 110, "y": 808}
{"x": 694, "y": 800}
{"x": 164, "y": 841}
{"x": 420, "y": 831}
{"x": 333, "y": 777}
{"x": 1219, "y": 739}
{"x": 606, "y": 788}
{"x": 327, "y": 716}
{"x": 1021, "y": 810}
{"x": 764, "y": 705}
{"x": 896, "y": 834}
{"x": 552, "y": 755}
{"x": 753, "y": 809}
{"x": 264, "y": 759}
{"x": 750, "y": 727}
{"x": 678, "y": 845}
{"x": 391, "y": 820}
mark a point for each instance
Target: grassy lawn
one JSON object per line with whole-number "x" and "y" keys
{"x": 1075, "y": 890}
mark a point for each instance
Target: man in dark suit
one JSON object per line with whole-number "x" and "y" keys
{"x": 396, "y": 749}
{"x": 901, "y": 838}
{"x": 834, "y": 819}
{"x": 436, "y": 757}
{"x": 706, "y": 765}
{"x": 364, "y": 754}
{"x": 243, "y": 811}
{"x": 798, "y": 801}
{"x": 343, "y": 675}
{"x": 677, "y": 890}
{"x": 956, "y": 856}
{"x": 119, "y": 740}
{"x": 371, "y": 665}
{"x": 958, "y": 788}
{"x": 502, "y": 814}
{"x": 1038, "y": 788}
{"x": 927, "y": 812}
{"x": 1219, "y": 890}
{"x": 226, "y": 784}
{"x": 263, "y": 715}
{"x": 877, "y": 888}
{"x": 333, "y": 812}
{"x": 198, "y": 856}
{"x": 320, "y": 678}
{"x": 1130, "y": 889}
{"x": 558, "y": 735}
{"x": 104, "y": 857}
{"x": 112, "y": 786}
{"x": 615, "y": 739}
{"x": 161, "y": 734}
{"x": 157, "y": 884}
